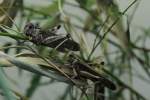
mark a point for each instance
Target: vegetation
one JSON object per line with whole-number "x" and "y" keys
{"x": 106, "y": 49}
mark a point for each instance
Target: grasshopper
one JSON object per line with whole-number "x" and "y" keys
{"x": 84, "y": 70}
{"x": 49, "y": 38}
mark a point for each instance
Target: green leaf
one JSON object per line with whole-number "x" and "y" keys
{"x": 82, "y": 2}
{"x": 33, "y": 68}
{"x": 33, "y": 85}
{"x": 4, "y": 86}
{"x": 9, "y": 30}
{"x": 86, "y": 3}
{"x": 11, "y": 33}
{"x": 90, "y": 3}
{"x": 51, "y": 9}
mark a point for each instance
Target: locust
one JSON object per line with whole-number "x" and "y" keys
{"x": 77, "y": 69}
{"x": 49, "y": 38}
{"x": 83, "y": 70}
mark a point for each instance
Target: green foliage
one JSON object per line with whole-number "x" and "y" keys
{"x": 102, "y": 18}
{"x": 4, "y": 86}
{"x": 34, "y": 85}
{"x": 86, "y": 3}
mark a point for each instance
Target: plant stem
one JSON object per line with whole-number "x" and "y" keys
{"x": 109, "y": 29}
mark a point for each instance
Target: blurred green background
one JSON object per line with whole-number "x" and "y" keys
{"x": 126, "y": 57}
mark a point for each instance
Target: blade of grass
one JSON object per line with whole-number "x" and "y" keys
{"x": 121, "y": 83}
{"x": 33, "y": 85}
{"x": 109, "y": 29}
{"x": 4, "y": 85}
{"x": 33, "y": 68}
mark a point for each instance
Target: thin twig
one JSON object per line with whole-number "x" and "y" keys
{"x": 51, "y": 64}
{"x": 97, "y": 33}
{"x": 109, "y": 29}
{"x": 9, "y": 17}
{"x": 124, "y": 85}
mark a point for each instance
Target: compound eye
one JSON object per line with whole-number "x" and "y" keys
{"x": 68, "y": 35}
{"x": 102, "y": 63}
{"x": 58, "y": 27}
{"x": 30, "y": 26}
